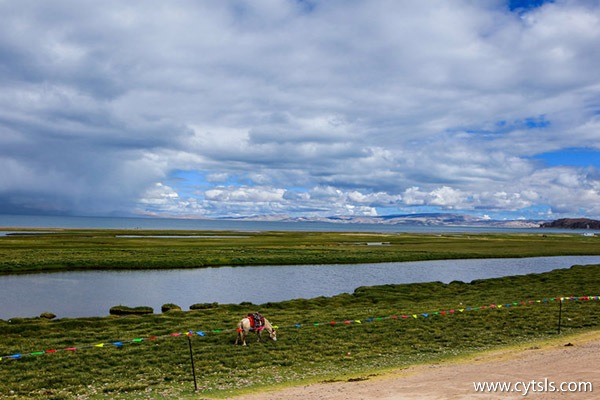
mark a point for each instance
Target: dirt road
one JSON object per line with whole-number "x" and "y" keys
{"x": 534, "y": 370}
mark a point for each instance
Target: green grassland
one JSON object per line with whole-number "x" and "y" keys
{"x": 153, "y": 364}
{"x": 160, "y": 367}
{"x": 57, "y": 250}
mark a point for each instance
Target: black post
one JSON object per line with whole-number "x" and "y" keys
{"x": 560, "y": 314}
{"x": 192, "y": 359}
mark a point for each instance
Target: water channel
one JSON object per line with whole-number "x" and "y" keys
{"x": 80, "y": 294}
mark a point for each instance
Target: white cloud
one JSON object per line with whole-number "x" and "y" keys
{"x": 345, "y": 107}
{"x": 217, "y": 177}
{"x": 244, "y": 194}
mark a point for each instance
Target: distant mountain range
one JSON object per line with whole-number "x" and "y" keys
{"x": 426, "y": 219}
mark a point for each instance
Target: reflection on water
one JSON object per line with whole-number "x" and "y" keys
{"x": 76, "y": 294}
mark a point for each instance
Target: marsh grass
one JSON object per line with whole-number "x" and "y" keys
{"x": 160, "y": 368}
{"x": 55, "y": 250}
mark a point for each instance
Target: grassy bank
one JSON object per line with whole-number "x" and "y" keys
{"x": 57, "y": 250}
{"x": 158, "y": 364}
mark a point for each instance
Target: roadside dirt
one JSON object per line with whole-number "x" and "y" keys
{"x": 538, "y": 367}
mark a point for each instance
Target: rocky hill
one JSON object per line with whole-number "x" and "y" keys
{"x": 573, "y": 223}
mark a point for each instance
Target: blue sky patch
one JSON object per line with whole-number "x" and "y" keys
{"x": 526, "y": 5}
{"x": 503, "y": 126}
{"x": 571, "y": 158}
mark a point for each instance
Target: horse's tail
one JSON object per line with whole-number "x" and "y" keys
{"x": 240, "y": 327}
{"x": 239, "y": 331}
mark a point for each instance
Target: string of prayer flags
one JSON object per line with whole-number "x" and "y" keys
{"x": 190, "y": 333}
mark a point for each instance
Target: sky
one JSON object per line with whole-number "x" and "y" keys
{"x": 224, "y": 108}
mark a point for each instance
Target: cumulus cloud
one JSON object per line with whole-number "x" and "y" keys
{"x": 287, "y": 107}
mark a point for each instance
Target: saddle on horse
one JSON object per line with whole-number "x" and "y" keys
{"x": 257, "y": 321}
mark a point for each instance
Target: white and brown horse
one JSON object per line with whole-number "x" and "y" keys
{"x": 245, "y": 326}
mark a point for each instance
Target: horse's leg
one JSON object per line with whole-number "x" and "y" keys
{"x": 258, "y": 335}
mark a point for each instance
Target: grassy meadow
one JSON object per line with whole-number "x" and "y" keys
{"x": 59, "y": 250}
{"x": 152, "y": 363}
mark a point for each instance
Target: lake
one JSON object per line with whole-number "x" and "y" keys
{"x": 80, "y": 294}
{"x": 46, "y": 221}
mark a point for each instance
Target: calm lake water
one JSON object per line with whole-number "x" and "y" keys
{"x": 79, "y": 294}
{"x": 34, "y": 221}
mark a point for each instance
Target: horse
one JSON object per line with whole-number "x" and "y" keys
{"x": 244, "y": 327}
